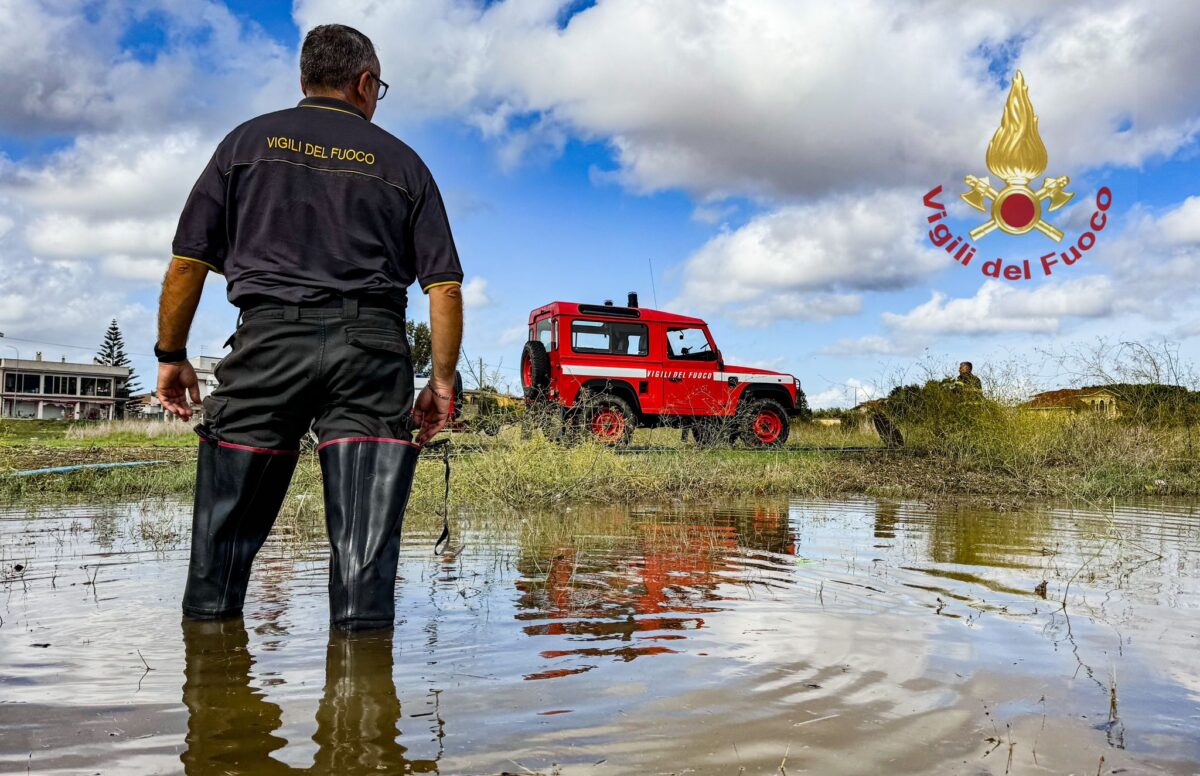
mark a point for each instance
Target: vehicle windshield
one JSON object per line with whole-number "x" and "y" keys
{"x": 689, "y": 344}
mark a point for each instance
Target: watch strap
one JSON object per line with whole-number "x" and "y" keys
{"x": 170, "y": 356}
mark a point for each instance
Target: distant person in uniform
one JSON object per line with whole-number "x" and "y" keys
{"x": 967, "y": 378}
{"x": 319, "y": 220}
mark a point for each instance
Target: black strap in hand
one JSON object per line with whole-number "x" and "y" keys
{"x": 443, "y": 541}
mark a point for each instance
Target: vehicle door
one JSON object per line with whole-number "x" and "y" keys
{"x": 690, "y": 372}
{"x": 616, "y": 351}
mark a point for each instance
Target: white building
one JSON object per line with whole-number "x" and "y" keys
{"x": 147, "y": 405}
{"x": 58, "y": 390}
{"x": 206, "y": 367}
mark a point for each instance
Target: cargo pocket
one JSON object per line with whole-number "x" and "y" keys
{"x": 213, "y": 407}
{"x": 387, "y": 340}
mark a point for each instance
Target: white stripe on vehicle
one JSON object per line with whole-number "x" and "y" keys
{"x": 587, "y": 370}
{"x": 748, "y": 377}
{"x": 602, "y": 371}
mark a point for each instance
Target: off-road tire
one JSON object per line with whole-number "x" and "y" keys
{"x": 535, "y": 370}
{"x": 763, "y": 423}
{"x": 606, "y": 419}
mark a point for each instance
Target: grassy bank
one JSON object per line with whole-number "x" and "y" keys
{"x": 1013, "y": 455}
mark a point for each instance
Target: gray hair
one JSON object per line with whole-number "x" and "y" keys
{"x": 334, "y": 55}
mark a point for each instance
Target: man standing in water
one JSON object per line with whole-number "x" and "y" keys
{"x": 319, "y": 221}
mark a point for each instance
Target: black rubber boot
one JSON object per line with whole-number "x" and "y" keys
{"x": 366, "y": 490}
{"x": 359, "y": 716}
{"x": 238, "y": 495}
{"x": 232, "y": 727}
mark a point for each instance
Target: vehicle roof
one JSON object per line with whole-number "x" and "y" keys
{"x": 644, "y": 314}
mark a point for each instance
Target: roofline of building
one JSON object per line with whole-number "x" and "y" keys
{"x": 64, "y": 367}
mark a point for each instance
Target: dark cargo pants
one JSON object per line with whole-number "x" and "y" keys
{"x": 345, "y": 372}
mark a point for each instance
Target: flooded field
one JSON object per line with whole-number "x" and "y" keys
{"x": 804, "y": 637}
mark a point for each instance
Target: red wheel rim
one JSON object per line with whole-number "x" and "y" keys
{"x": 608, "y": 425}
{"x": 767, "y": 427}
{"x": 527, "y": 373}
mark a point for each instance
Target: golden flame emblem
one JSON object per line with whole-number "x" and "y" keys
{"x": 1017, "y": 155}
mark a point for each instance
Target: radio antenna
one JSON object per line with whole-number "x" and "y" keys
{"x": 653, "y": 291}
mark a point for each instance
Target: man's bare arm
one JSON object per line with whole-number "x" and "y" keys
{"x": 181, "y": 292}
{"x": 433, "y": 406}
{"x": 446, "y": 325}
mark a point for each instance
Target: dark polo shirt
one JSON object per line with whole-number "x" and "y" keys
{"x": 315, "y": 202}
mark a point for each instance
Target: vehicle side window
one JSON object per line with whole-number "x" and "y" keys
{"x": 610, "y": 338}
{"x": 543, "y": 333}
{"x": 690, "y": 344}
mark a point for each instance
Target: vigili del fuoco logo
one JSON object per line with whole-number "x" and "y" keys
{"x": 1016, "y": 156}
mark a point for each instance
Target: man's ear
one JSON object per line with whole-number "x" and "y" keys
{"x": 303, "y": 90}
{"x": 364, "y": 86}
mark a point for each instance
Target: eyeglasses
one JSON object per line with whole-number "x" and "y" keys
{"x": 383, "y": 86}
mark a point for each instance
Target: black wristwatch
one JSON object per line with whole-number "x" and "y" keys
{"x": 169, "y": 356}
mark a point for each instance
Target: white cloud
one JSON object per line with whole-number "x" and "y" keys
{"x": 148, "y": 270}
{"x": 1181, "y": 225}
{"x": 63, "y": 69}
{"x": 847, "y": 394}
{"x": 115, "y": 176}
{"x": 714, "y": 213}
{"x": 513, "y": 335}
{"x": 69, "y": 237}
{"x": 474, "y": 293}
{"x": 783, "y": 97}
{"x": 67, "y": 302}
{"x": 874, "y": 345}
{"x": 112, "y": 200}
{"x": 797, "y": 307}
{"x": 793, "y": 262}
{"x": 1001, "y": 307}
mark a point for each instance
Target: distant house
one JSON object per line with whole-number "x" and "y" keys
{"x": 144, "y": 405}
{"x": 147, "y": 405}
{"x": 59, "y": 390}
{"x": 206, "y": 373}
{"x": 1095, "y": 399}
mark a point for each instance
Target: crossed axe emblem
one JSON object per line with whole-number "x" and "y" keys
{"x": 1017, "y": 209}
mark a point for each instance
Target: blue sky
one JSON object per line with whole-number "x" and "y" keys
{"x": 754, "y": 154}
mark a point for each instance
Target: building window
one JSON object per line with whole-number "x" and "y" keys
{"x": 58, "y": 385}
{"x": 87, "y": 386}
{"x": 17, "y": 382}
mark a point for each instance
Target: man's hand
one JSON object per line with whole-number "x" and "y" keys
{"x": 175, "y": 383}
{"x": 431, "y": 412}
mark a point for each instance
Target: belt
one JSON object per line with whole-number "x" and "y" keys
{"x": 345, "y": 307}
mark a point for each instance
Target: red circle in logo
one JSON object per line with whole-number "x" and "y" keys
{"x": 1017, "y": 210}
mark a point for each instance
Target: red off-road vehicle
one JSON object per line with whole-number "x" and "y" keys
{"x": 610, "y": 369}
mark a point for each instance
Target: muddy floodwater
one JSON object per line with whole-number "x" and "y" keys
{"x": 780, "y": 637}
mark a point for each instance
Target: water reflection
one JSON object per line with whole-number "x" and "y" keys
{"x": 649, "y": 590}
{"x": 679, "y": 637}
{"x": 233, "y": 727}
